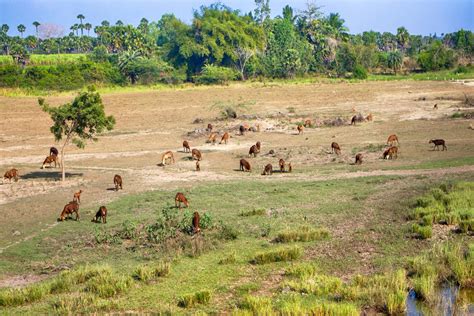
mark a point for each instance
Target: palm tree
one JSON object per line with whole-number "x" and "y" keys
{"x": 337, "y": 24}
{"x": 36, "y": 24}
{"x": 81, "y": 26}
{"x": 21, "y": 28}
{"x": 143, "y": 26}
{"x": 402, "y": 37}
{"x": 5, "y": 28}
{"x": 288, "y": 14}
{"x": 88, "y": 27}
{"x": 105, "y": 23}
{"x": 74, "y": 28}
{"x": 119, "y": 23}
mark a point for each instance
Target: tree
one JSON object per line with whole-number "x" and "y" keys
{"x": 49, "y": 30}
{"x": 75, "y": 29}
{"x": 79, "y": 121}
{"x": 21, "y": 28}
{"x": 339, "y": 30}
{"x": 394, "y": 60}
{"x": 5, "y": 28}
{"x": 402, "y": 38}
{"x": 288, "y": 14}
{"x": 119, "y": 23}
{"x": 262, "y": 10}
{"x": 105, "y": 23}
{"x": 81, "y": 26}
{"x": 36, "y": 24}
{"x": 88, "y": 27}
{"x": 143, "y": 26}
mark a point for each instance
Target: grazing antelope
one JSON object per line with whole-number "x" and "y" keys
{"x": 392, "y": 139}
{"x": 300, "y": 129}
{"x": 245, "y": 165}
{"x": 186, "y": 147}
{"x": 268, "y": 170}
{"x": 49, "y": 160}
{"x": 196, "y": 218}
{"x": 118, "y": 182}
{"x": 281, "y": 162}
{"x": 167, "y": 156}
{"x": 209, "y": 127}
{"x": 253, "y": 151}
{"x": 308, "y": 123}
{"x": 241, "y": 129}
{"x": 77, "y": 197}
{"x": 438, "y": 142}
{"x": 198, "y": 168}
{"x": 180, "y": 198}
{"x": 212, "y": 138}
{"x": 196, "y": 154}
{"x": 358, "y": 159}
{"x": 290, "y": 168}
{"x": 68, "y": 210}
{"x": 53, "y": 151}
{"x": 391, "y": 153}
{"x": 101, "y": 214}
{"x": 335, "y": 148}
{"x": 11, "y": 174}
{"x": 224, "y": 138}
{"x": 369, "y": 118}
{"x": 258, "y": 144}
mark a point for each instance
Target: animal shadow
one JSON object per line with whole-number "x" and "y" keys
{"x": 49, "y": 175}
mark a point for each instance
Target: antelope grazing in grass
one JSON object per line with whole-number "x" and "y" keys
{"x": 212, "y": 138}
{"x": 391, "y": 153}
{"x": 224, "y": 138}
{"x": 335, "y": 148}
{"x": 358, "y": 159}
{"x": 437, "y": 143}
{"x": 392, "y": 140}
{"x": 196, "y": 154}
{"x": 101, "y": 214}
{"x": 281, "y": 163}
{"x": 308, "y": 123}
{"x": 209, "y": 127}
{"x": 118, "y": 182}
{"x": 196, "y": 219}
{"x": 241, "y": 130}
{"x": 267, "y": 170}
{"x": 186, "y": 147}
{"x": 300, "y": 129}
{"x": 68, "y": 210}
{"x": 258, "y": 145}
{"x": 49, "y": 160}
{"x": 77, "y": 197}
{"x": 53, "y": 151}
{"x": 180, "y": 198}
{"x": 369, "y": 118}
{"x": 253, "y": 151}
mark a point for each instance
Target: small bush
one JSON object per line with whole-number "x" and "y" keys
{"x": 422, "y": 232}
{"x": 301, "y": 271}
{"x": 215, "y": 75}
{"x": 303, "y": 234}
{"x": 254, "y": 212}
{"x": 424, "y": 287}
{"x": 227, "y": 232}
{"x": 287, "y": 254}
{"x": 108, "y": 285}
{"x": 128, "y": 231}
{"x": 191, "y": 300}
{"x": 258, "y": 305}
{"x": 359, "y": 72}
{"x": 461, "y": 69}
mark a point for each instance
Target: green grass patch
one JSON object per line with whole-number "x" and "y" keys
{"x": 371, "y": 148}
{"x": 148, "y": 272}
{"x": 303, "y": 234}
{"x": 254, "y": 212}
{"x": 285, "y": 254}
{"x": 191, "y": 300}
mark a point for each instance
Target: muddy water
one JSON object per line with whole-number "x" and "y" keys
{"x": 450, "y": 300}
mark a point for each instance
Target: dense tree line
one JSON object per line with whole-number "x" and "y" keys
{"x": 224, "y": 44}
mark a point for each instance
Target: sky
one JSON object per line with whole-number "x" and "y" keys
{"x": 418, "y": 16}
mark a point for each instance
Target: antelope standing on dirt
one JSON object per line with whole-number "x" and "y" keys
{"x": 393, "y": 139}
{"x": 307, "y": 123}
{"x": 49, "y": 160}
{"x": 369, "y": 118}
{"x": 224, "y": 138}
{"x": 196, "y": 154}
{"x": 258, "y": 145}
{"x": 212, "y": 138}
{"x": 267, "y": 170}
{"x": 241, "y": 130}
{"x": 253, "y": 151}
{"x": 391, "y": 153}
{"x": 68, "y": 210}
{"x": 101, "y": 214}
{"x": 180, "y": 198}
{"x": 435, "y": 107}
{"x": 358, "y": 159}
{"x": 300, "y": 129}
{"x": 77, "y": 197}
{"x": 11, "y": 174}
{"x": 167, "y": 156}
{"x": 118, "y": 182}
{"x": 281, "y": 163}
{"x": 437, "y": 143}
{"x": 354, "y": 120}
{"x": 335, "y": 148}
{"x": 186, "y": 147}
{"x": 244, "y": 165}
{"x": 196, "y": 219}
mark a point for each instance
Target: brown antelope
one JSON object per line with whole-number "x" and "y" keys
{"x": 198, "y": 168}
{"x": 77, "y": 197}
{"x": 224, "y": 138}
{"x": 196, "y": 218}
{"x": 53, "y": 151}
{"x": 300, "y": 129}
{"x": 101, "y": 214}
{"x": 392, "y": 139}
{"x": 435, "y": 107}
{"x": 358, "y": 159}
{"x": 307, "y": 123}
{"x": 267, "y": 170}
{"x": 258, "y": 144}
{"x": 438, "y": 142}
{"x": 281, "y": 162}
{"x": 369, "y": 118}
{"x": 241, "y": 130}
{"x": 180, "y": 198}
{"x": 209, "y": 127}
{"x": 391, "y": 153}
{"x": 253, "y": 151}
{"x": 245, "y": 165}
{"x": 335, "y": 148}
{"x": 186, "y": 147}
{"x": 258, "y": 127}
{"x": 212, "y": 138}
{"x": 68, "y": 210}
{"x": 196, "y": 154}
{"x": 118, "y": 182}
{"x": 167, "y": 156}
{"x": 11, "y": 174}
{"x": 49, "y": 160}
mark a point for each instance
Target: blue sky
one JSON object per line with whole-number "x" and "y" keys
{"x": 418, "y": 16}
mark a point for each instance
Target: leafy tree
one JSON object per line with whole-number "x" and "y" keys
{"x": 105, "y": 23}
{"x": 394, "y": 60}
{"x": 21, "y": 28}
{"x": 403, "y": 38}
{"x": 36, "y": 24}
{"x": 262, "y": 11}
{"x": 346, "y": 59}
{"x": 88, "y": 27}
{"x": 288, "y": 14}
{"x": 436, "y": 57}
{"x": 119, "y": 23}
{"x": 143, "y": 26}
{"x": 81, "y": 25}
{"x": 79, "y": 121}
{"x": 4, "y": 28}
{"x": 339, "y": 30}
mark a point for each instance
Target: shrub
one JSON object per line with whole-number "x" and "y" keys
{"x": 258, "y": 305}
{"x": 128, "y": 231}
{"x": 229, "y": 259}
{"x": 191, "y": 300}
{"x": 108, "y": 284}
{"x": 424, "y": 287}
{"x": 286, "y": 254}
{"x": 301, "y": 271}
{"x": 422, "y": 232}
{"x": 254, "y": 212}
{"x": 303, "y": 234}
{"x": 461, "y": 69}
{"x": 215, "y": 75}
{"x": 359, "y": 72}
{"x": 227, "y": 232}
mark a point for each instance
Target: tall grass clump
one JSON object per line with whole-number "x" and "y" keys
{"x": 301, "y": 271}
{"x": 422, "y": 232}
{"x": 286, "y": 254}
{"x": 303, "y": 234}
{"x": 334, "y": 309}
{"x": 258, "y": 305}
{"x": 254, "y": 212}
{"x": 191, "y": 300}
{"x": 147, "y": 272}
{"x": 107, "y": 285}
{"x": 229, "y": 259}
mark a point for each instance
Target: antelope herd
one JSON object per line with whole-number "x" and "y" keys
{"x": 168, "y": 158}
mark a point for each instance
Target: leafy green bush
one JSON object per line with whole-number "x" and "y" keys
{"x": 286, "y": 254}
{"x": 215, "y": 75}
{"x": 359, "y": 72}
{"x": 436, "y": 57}
{"x": 422, "y": 232}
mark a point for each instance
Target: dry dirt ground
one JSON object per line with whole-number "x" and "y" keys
{"x": 150, "y": 123}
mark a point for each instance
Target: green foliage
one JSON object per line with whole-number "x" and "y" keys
{"x": 345, "y": 59}
{"x": 215, "y": 75}
{"x": 191, "y": 300}
{"x": 422, "y": 232}
{"x": 148, "y": 272}
{"x": 394, "y": 60}
{"x": 229, "y": 259}
{"x": 303, "y": 234}
{"x": 99, "y": 54}
{"x": 436, "y": 57}
{"x": 254, "y": 212}
{"x": 359, "y": 72}
{"x": 284, "y": 254}
{"x": 228, "y": 232}
{"x": 108, "y": 284}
